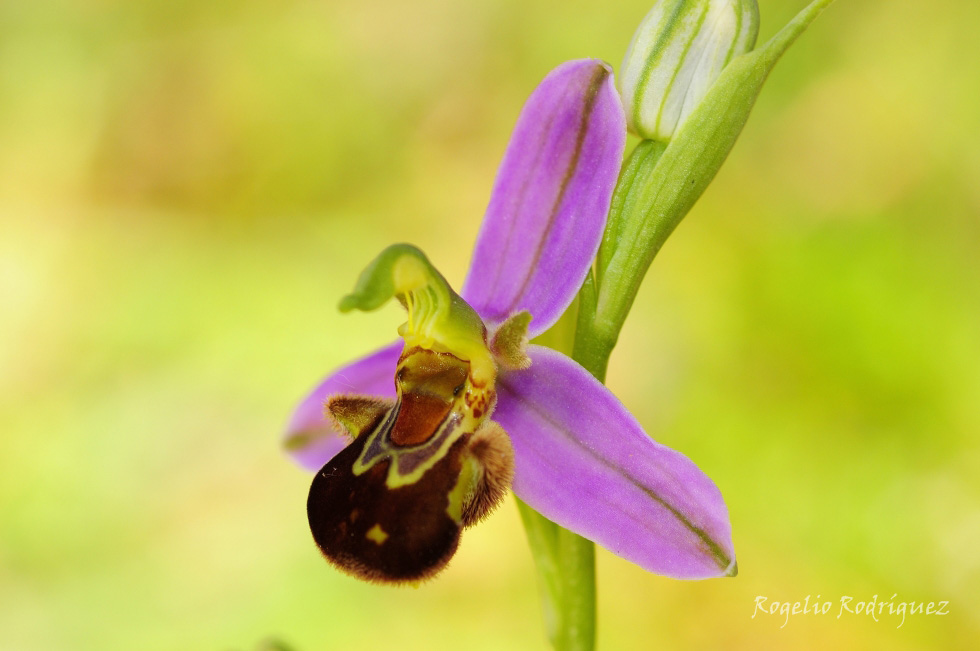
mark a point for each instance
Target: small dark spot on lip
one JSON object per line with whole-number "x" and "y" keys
{"x": 477, "y": 413}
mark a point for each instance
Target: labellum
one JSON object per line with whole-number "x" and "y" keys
{"x": 391, "y": 506}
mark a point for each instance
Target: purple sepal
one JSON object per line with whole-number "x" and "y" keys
{"x": 583, "y": 461}
{"x": 311, "y": 439}
{"x": 550, "y": 199}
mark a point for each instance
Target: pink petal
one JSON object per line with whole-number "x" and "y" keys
{"x": 583, "y": 461}
{"x": 549, "y": 203}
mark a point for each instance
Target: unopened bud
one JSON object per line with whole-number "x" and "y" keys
{"x": 676, "y": 54}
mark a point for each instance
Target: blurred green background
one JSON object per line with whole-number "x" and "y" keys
{"x": 186, "y": 190}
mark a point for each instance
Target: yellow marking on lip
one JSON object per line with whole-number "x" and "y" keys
{"x": 377, "y": 534}
{"x": 462, "y": 492}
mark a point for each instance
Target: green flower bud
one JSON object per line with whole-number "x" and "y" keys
{"x": 661, "y": 181}
{"x": 676, "y": 54}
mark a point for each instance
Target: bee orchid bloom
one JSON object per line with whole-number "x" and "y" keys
{"x": 441, "y": 420}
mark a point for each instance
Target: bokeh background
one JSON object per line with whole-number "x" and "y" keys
{"x": 186, "y": 190}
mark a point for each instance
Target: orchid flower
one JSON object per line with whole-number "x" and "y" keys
{"x": 445, "y": 421}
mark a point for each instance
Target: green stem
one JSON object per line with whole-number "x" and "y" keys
{"x": 542, "y": 536}
{"x": 577, "y": 574}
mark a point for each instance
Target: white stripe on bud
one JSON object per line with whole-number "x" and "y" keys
{"x": 677, "y": 52}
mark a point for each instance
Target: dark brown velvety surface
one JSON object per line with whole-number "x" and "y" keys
{"x": 421, "y": 537}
